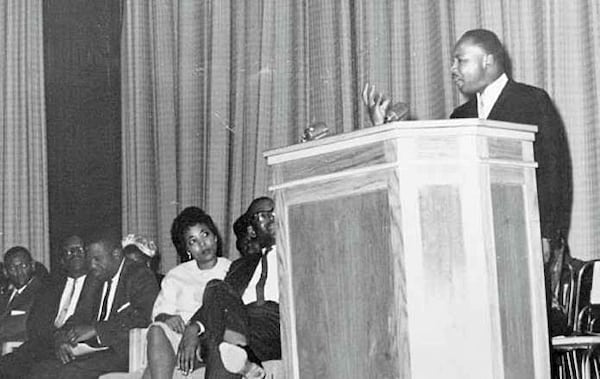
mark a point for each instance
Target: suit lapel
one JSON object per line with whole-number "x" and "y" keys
{"x": 4, "y": 303}
{"x": 471, "y": 108}
{"x": 499, "y": 107}
{"x": 243, "y": 272}
{"x": 251, "y": 269}
{"x": 24, "y": 297}
{"x": 57, "y": 295}
{"x": 121, "y": 291}
{"x": 89, "y": 299}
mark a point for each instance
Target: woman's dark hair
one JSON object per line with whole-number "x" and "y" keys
{"x": 189, "y": 217}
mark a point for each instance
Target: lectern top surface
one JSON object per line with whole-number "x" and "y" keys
{"x": 463, "y": 126}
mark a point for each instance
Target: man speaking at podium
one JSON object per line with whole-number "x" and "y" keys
{"x": 479, "y": 71}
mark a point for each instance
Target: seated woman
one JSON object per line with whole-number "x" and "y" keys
{"x": 142, "y": 250}
{"x": 198, "y": 241}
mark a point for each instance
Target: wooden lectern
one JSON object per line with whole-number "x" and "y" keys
{"x": 412, "y": 250}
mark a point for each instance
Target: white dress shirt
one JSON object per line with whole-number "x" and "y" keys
{"x": 18, "y": 291}
{"x": 69, "y": 299}
{"x": 272, "y": 283}
{"x": 111, "y": 294}
{"x": 487, "y": 99}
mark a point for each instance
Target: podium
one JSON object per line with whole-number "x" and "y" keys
{"x": 411, "y": 250}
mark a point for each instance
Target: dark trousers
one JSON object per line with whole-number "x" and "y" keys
{"x": 17, "y": 364}
{"x": 89, "y": 366}
{"x": 223, "y": 309}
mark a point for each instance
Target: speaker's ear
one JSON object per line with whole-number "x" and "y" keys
{"x": 489, "y": 60}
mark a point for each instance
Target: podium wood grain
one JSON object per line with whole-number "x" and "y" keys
{"x": 411, "y": 250}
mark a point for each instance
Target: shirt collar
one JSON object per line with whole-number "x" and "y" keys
{"x": 76, "y": 279}
{"x": 266, "y": 250}
{"x": 20, "y": 290}
{"x": 490, "y": 94}
{"x": 118, "y": 273}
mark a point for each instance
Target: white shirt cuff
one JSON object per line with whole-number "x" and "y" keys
{"x": 202, "y": 328}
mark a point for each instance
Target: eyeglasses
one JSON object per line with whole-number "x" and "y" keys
{"x": 269, "y": 215}
{"x": 74, "y": 250}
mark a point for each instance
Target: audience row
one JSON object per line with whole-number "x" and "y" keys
{"x": 75, "y": 322}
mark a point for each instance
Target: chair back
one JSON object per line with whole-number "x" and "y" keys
{"x": 562, "y": 277}
{"x": 566, "y": 293}
{"x": 587, "y": 295}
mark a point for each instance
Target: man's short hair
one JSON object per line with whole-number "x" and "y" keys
{"x": 240, "y": 226}
{"x": 16, "y": 250}
{"x": 260, "y": 204}
{"x": 488, "y": 41}
{"x": 110, "y": 240}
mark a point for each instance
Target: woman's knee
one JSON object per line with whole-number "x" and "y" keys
{"x": 155, "y": 334}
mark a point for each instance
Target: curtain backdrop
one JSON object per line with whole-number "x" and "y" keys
{"x": 209, "y": 85}
{"x": 23, "y": 184}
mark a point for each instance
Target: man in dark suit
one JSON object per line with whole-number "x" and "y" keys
{"x": 239, "y": 319}
{"x": 479, "y": 71}
{"x": 15, "y": 305}
{"x": 123, "y": 301}
{"x": 55, "y": 304}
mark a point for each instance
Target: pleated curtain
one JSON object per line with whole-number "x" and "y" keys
{"x": 23, "y": 177}
{"x": 209, "y": 85}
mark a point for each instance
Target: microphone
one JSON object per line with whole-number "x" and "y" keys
{"x": 314, "y": 131}
{"x": 397, "y": 112}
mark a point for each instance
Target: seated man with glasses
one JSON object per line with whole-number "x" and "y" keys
{"x": 56, "y": 302}
{"x": 238, "y": 323}
{"x": 16, "y": 302}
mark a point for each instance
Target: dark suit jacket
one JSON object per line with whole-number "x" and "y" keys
{"x": 238, "y": 277}
{"x": 40, "y": 325}
{"x": 521, "y": 103}
{"x": 138, "y": 288}
{"x": 222, "y": 308}
{"x": 241, "y": 271}
{"x": 13, "y": 327}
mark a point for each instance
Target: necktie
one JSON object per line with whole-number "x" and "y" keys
{"x": 104, "y": 307}
{"x": 62, "y": 314}
{"x": 480, "y": 107}
{"x": 260, "y": 286}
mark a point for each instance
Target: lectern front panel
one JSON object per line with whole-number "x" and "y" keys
{"x": 347, "y": 308}
{"x": 512, "y": 260}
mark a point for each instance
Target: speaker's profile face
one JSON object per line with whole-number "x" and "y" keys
{"x": 468, "y": 67}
